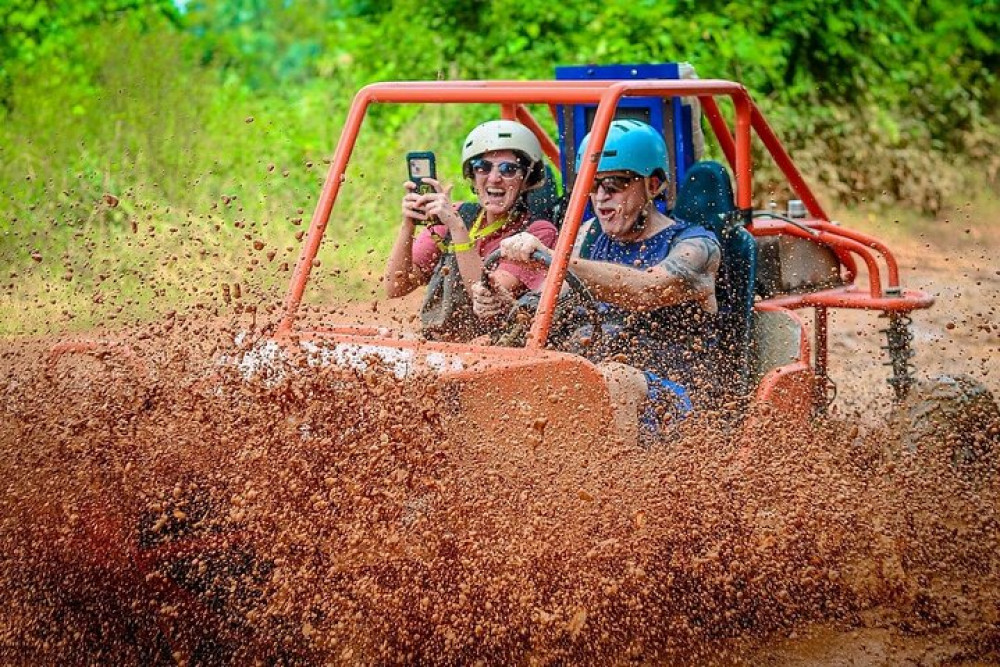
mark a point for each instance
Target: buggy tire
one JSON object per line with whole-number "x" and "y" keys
{"x": 952, "y": 414}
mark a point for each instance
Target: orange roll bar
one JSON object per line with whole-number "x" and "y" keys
{"x": 549, "y": 147}
{"x": 786, "y": 165}
{"x": 834, "y": 241}
{"x": 892, "y": 267}
{"x": 721, "y": 130}
{"x": 513, "y": 95}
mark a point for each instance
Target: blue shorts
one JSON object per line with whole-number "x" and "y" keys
{"x": 665, "y": 401}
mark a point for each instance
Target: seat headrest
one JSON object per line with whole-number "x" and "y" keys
{"x": 705, "y": 197}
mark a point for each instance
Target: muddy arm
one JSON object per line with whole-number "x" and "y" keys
{"x": 688, "y": 273}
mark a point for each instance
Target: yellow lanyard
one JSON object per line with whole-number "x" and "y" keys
{"x": 476, "y": 232}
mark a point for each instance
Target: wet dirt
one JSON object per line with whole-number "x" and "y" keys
{"x": 161, "y": 509}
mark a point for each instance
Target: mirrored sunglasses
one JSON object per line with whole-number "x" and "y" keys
{"x": 613, "y": 184}
{"x": 507, "y": 170}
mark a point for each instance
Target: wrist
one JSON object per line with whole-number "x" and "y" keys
{"x": 412, "y": 228}
{"x": 449, "y": 216}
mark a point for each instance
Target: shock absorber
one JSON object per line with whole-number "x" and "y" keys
{"x": 898, "y": 338}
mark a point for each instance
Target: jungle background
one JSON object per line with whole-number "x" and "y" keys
{"x": 158, "y": 155}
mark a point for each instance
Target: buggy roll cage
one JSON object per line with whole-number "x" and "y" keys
{"x": 512, "y": 96}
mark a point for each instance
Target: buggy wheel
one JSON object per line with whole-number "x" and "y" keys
{"x": 951, "y": 414}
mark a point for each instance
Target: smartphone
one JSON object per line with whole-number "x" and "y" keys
{"x": 421, "y": 165}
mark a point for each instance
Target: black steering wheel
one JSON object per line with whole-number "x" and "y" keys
{"x": 514, "y": 333}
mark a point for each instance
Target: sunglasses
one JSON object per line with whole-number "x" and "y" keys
{"x": 508, "y": 170}
{"x": 613, "y": 184}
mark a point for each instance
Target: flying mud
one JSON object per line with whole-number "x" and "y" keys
{"x": 160, "y": 508}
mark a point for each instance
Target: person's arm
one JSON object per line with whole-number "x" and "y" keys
{"x": 687, "y": 274}
{"x": 530, "y": 276}
{"x": 438, "y": 205}
{"x": 519, "y": 248}
{"x": 512, "y": 279}
{"x": 402, "y": 276}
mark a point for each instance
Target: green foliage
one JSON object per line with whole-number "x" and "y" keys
{"x": 210, "y": 129}
{"x": 797, "y": 51}
{"x": 50, "y": 32}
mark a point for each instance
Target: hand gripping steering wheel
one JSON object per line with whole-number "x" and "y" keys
{"x": 514, "y": 333}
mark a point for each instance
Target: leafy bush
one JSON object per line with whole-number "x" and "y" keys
{"x": 210, "y": 128}
{"x": 830, "y": 71}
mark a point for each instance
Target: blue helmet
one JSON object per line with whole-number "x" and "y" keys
{"x": 631, "y": 146}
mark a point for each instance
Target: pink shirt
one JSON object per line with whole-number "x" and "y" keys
{"x": 426, "y": 253}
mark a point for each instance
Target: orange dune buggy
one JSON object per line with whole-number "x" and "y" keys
{"x": 774, "y": 267}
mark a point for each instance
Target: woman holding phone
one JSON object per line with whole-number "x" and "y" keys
{"x": 503, "y": 161}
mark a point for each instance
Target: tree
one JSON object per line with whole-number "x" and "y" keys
{"x": 34, "y": 30}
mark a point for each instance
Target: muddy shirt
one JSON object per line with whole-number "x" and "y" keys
{"x": 426, "y": 252}
{"x": 678, "y": 342}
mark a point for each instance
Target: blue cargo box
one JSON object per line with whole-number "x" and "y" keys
{"x": 675, "y": 118}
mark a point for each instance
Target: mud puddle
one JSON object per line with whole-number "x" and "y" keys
{"x": 160, "y": 509}
{"x": 157, "y": 509}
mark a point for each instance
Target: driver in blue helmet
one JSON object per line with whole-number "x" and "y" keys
{"x": 654, "y": 277}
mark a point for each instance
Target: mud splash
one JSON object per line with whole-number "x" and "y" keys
{"x": 164, "y": 510}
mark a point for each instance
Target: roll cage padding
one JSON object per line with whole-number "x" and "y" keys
{"x": 705, "y": 198}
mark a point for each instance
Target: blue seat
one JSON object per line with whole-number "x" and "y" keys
{"x": 545, "y": 203}
{"x": 705, "y": 197}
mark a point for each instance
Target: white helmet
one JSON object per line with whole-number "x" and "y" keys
{"x": 499, "y": 135}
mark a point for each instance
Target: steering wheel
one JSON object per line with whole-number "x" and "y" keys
{"x": 514, "y": 333}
